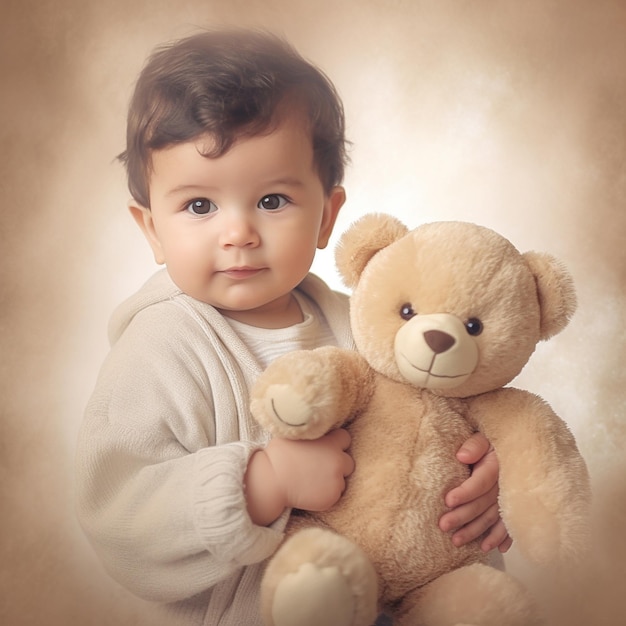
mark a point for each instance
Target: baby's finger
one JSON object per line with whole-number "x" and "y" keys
{"x": 469, "y": 511}
{"x": 476, "y": 528}
{"x": 473, "y": 449}
{"x": 341, "y": 437}
{"x": 482, "y": 480}
{"x": 348, "y": 464}
{"x": 498, "y": 537}
{"x": 505, "y": 546}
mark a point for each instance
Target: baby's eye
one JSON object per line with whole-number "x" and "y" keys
{"x": 201, "y": 206}
{"x": 272, "y": 202}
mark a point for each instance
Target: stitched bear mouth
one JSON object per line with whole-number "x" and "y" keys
{"x": 429, "y": 379}
{"x": 429, "y": 371}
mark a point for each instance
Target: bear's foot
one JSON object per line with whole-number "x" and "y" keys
{"x": 313, "y": 596}
{"x": 319, "y": 578}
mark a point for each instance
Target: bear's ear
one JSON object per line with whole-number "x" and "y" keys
{"x": 363, "y": 240}
{"x": 555, "y": 289}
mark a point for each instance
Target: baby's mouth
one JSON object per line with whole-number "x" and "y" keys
{"x": 242, "y": 272}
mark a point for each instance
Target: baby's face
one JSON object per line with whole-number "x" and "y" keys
{"x": 240, "y": 231}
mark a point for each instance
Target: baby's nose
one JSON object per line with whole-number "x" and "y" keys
{"x": 239, "y": 231}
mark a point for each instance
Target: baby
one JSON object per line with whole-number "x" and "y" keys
{"x": 235, "y": 157}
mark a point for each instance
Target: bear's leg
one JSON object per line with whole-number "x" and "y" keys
{"x": 318, "y": 577}
{"x": 476, "y": 595}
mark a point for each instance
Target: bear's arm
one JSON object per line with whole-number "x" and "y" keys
{"x": 544, "y": 484}
{"x": 306, "y": 393}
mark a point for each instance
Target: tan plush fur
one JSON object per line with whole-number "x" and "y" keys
{"x": 460, "y": 302}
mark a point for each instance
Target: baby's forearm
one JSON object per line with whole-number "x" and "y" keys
{"x": 264, "y": 498}
{"x": 308, "y": 475}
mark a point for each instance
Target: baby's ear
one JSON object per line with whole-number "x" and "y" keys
{"x": 362, "y": 241}
{"x": 555, "y": 290}
{"x": 143, "y": 217}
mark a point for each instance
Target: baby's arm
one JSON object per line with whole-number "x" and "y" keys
{"x": 162, "y": 504}
{"x": 303, "y": 474}
{"x": 474, "y": 504}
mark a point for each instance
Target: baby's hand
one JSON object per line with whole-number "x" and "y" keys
{"x": 308, "y": 475}
{"x": 474, "y": 504}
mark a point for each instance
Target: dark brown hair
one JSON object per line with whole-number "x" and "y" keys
{"x": 229, "y": 84}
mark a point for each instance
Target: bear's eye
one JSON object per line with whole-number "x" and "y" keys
{"x": 474, "y": 326}
{"x": 406, "y": 311}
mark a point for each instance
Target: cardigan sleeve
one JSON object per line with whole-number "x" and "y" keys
{"x": 160, "y": 500}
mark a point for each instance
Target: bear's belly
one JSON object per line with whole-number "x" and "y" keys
{"x": 404, "y": 449}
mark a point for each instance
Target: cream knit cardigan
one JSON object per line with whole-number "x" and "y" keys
{"x": 163, "y": 450}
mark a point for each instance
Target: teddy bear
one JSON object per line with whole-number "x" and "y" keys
{"x": 443, "y": 317}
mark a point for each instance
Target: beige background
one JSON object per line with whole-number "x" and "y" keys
{"x": 508, "y": 113}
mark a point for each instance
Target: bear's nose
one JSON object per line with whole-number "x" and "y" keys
{"x": 438, "y": 341}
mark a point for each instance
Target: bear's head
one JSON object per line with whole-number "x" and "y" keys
{"x": 449, "y": 306}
